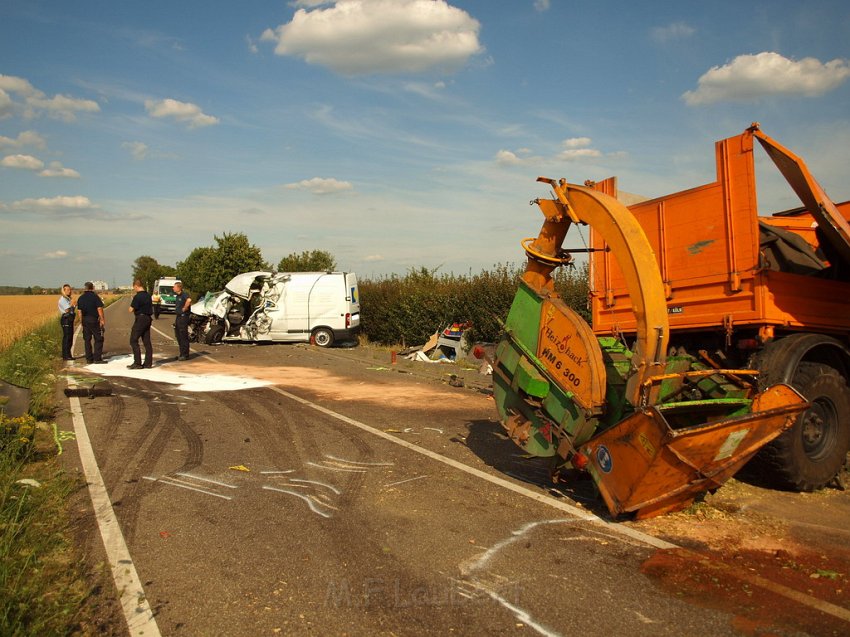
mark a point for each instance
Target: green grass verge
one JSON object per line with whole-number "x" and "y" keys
{"x": 43, "y": 587}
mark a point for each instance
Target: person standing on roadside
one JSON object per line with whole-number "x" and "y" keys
{"x": 67, "y": 314}
{"x": 157, "y": 299}
{"x": 182, "y": 303}
{"x": 142, "y": 306}
{"x": 91, "y": 309}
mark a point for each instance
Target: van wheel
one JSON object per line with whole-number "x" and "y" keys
{"x": 812, "y": 452}
{"x": 322, "y": 337}
{"x": 215, "y": 334}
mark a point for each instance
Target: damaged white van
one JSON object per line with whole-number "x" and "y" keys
{"x": 317, "y": 307}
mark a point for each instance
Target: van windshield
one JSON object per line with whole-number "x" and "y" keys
{"x": 166, "y": 289}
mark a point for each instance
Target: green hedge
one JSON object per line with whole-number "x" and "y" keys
{"x": 408, "y": 310}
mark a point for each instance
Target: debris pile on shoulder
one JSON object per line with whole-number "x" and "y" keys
{"x": 450, "y": 346}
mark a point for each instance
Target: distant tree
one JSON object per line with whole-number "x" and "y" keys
{"x": 149, "y": 270}
{"x": 210, "y": 268}
{"x": 308, "y": 261}
{"x": 194, "y": 271}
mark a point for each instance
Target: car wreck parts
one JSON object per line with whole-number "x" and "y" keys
{"x": 319, "y": 307}
{"x": 713, "y": 341}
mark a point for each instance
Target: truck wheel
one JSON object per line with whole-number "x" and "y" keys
{"x": 810, "y": 454}
{"x": 322, "y": 337}
{"x": 213, "y": 337}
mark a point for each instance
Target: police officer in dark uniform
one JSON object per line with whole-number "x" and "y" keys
{"x": 90, "y": 306}
{"x": 182, "y": 303}
{"x": 142, "y": 306}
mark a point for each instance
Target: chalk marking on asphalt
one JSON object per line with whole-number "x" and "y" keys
{"x": 516, "y": 488}
{"x": 357, "y": 462}
{"x": 183, "y": 485}
{"x": 321, "y": 484}
{"x": 194, "y": 477}
{"x": 521, "y": 614}
{"x": 329, "y": 468}
{"x": 303, "y": 497}
{"x": 134, "y": 603}
{"x": 392, "y": 484}
{"x": 267, "y": 473}
{"x": 614, "y": 528}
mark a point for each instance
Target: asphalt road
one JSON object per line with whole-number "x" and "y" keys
{"x": 343, "y": 498}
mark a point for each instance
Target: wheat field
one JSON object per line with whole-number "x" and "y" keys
{"x": 20, "y": 315}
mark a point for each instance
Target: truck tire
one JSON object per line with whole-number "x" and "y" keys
{"x": 812, "y": 452}
{"x": 215, "y": 334}
{"x": 322, "y": 337}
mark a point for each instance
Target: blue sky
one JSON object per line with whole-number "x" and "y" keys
{"x": 393, "y": 133}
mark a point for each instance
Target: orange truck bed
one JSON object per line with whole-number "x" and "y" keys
{"x": 707, "y": 244}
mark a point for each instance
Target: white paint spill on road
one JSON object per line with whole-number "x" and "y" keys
{"x": 176, "y": 373}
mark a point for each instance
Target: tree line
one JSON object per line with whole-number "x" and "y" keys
{"x": 396, "y": 309}
{"x": 209, "y": 268}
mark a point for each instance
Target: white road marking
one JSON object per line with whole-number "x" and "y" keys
{"x": 309, "y": 502}
{"x": 392, "y": 484}
{"x": 357, "y": 462}
{"x": 266, "y": 473}
{"x": 329, "y": 468}
{"x": 580, "y": 514}
{"x": 137, "y": 611}
{"x": 321, "y": 484}
{"x": 185, "y": 485}
{"x": 194, "y": 477}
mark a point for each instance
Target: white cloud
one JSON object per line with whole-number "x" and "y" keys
{"x": 6, "y": 105}
{"x": 577, "y": 142}
{"x": 507, "y": 158}
{"x": 673, "y": 31}
{"x": 572, "y": 154}
{"x": 372, "y": 258}
{"x": 252, "y": 45}
{"x": 542, "y": 5}
{"x": 26, "y": 162}
{"x": 321, "y": 186}
{"x": 749, "y": 77}
{"x": 35, "y": 103}
{"x": 56, "y": 169}
{"x": 58, "y": 254}
{"x": 139, "y": 150}
{"x": 354, "y": 37}
{"x": 25, "y": 138}
{"x": 183, "y": 112}
{"x": 48, "y": 204}
{"x": 578, "y": 148}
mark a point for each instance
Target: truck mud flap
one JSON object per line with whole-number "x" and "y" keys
{"x": 643, "y": 466}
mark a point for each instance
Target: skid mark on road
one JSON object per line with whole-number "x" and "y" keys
{"x": 137, "y": 611}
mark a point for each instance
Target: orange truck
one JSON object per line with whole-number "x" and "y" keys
{"x": 719, "y": 337}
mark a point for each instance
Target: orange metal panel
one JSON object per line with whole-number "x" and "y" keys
{"x": 643, "y": 465}
{"x": 706, "y": 240}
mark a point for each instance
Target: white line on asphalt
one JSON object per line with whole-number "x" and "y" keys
{"x": 303, "y": 497}
{"x": 194, "y": 477}
{"x": 362, "y": 464}
{"x": 329, "y": 468}
{"x": 539, "y": 497}
{"x": 321, "y": 484}
{"x": 184, "y": 485}
{"x": 392, "y": 484}
{"x": 137, "y": 611}
{"x": 612, "y": 527}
